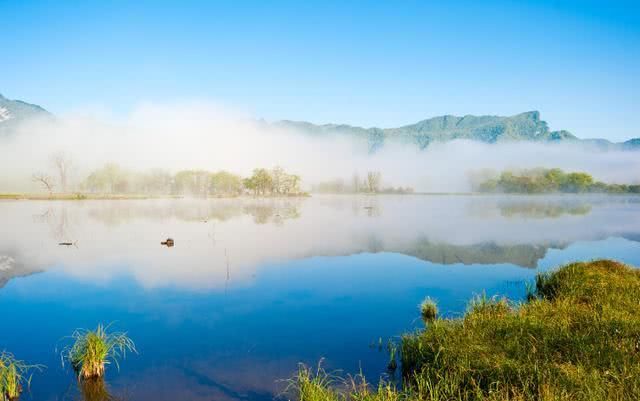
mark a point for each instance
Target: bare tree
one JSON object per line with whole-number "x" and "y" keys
{"x": 373, "y": 181}
{"x": 63, "y": 164}
{"x": 45, "y": 180}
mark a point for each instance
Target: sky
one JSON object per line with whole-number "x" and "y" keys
{"x": 381, "y": 64}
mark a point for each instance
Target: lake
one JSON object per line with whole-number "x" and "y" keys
{"x": 253, "y": 287}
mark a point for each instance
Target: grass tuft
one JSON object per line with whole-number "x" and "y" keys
{"x": 14, "y": 376}
{"x": 428, "y": 310}
{"x": 92, "y": 350}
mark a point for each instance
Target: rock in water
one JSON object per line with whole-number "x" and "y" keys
{"x": 168, "y": 242}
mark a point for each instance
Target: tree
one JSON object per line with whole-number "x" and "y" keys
{"x": 45, "y": 180}
{"x": 109, "y": 178}
{"x": 577, "y": 182}
{"x": 63, "y": 165}
{"x": 290, "y": 184}
{"x": 554, "y": 179}
{"x": 278, "y": 178}
{"x": 250, "y": 184}
{"x": 225, "y": 183}
{"x": 262, "y": 181}
{"x": 373, "y": 181}
{"x": 284, "y": 183}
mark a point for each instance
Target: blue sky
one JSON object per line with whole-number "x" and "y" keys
{"x": 364, "y": 63}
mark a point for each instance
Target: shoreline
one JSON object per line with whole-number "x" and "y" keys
{"x": 90, "y": 196}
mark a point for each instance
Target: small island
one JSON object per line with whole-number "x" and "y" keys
{"x": 544, "y": 181}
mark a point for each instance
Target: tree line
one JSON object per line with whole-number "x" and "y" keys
{"x": 111, "y": 178}
{"x": 371, "y": 183}
{"x": 553, "y": 180}
{"x": 263, "y": 182}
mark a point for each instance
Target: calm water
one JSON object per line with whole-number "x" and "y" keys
{"x": 252, "y": 287}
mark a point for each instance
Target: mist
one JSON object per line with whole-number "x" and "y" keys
{"x": 201, "y": 135}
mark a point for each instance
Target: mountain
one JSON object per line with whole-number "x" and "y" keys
{"x": 632, "y": 144}
{"x": 489, "y": 129}
{"x": 14, "y": 112}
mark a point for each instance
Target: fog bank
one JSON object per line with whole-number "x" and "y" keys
{"x": 209, "y": 136}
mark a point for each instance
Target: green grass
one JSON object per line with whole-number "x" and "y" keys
{"x": 577, "y": 338}
{"x": 14, "y": 376}
{"x": 92, "y": 350}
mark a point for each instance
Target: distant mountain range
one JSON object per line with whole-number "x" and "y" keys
{"x": 489, "y": 129}
{"x": 15, "y": 112}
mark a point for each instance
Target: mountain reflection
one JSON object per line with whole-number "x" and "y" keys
{"x": 221, "y": 242}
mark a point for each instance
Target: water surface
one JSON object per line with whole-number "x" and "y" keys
{"x": 253, "y": 287}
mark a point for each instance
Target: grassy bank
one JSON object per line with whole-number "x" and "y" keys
{"x": 576, "y": 338}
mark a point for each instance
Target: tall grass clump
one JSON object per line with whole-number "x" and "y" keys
{"x": 92, "y": 350}
{"x": 317, "y": 384}
{"x": 576, "y": 338}
{"x": 309, "y": 384}
{"x": 14, "y": 376}
{"x": 428, "y": 310}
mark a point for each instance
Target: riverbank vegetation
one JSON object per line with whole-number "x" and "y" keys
{"x": 576, "y": 338}
{"x": 92, "y": 350}
{"x": 540, "y": 180}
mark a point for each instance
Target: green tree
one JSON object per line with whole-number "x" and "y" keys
{"x": 577, "y": 182}
{"x": 225, "y": 183}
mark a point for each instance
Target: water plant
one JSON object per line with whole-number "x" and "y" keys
{"x": 392, "y": 347}
{"x": 14, "y": 376}
{"x": 428, "y": 310}
{"x": 92, "y": 350}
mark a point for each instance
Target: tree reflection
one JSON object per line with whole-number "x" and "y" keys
{"x": 542, "y": 210}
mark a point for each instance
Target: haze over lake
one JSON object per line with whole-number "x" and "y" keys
{"x": 254, "y": 286}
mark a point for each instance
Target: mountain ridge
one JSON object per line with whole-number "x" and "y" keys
{"x": 15, "y": 112}
{"x": 527, "y": 126}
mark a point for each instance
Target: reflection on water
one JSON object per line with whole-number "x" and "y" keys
{"x": 253, "y": 286}
{"x": 221, "y": 238}
{"x": 95, "y": 390}
{"x": 542, "y": 210}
